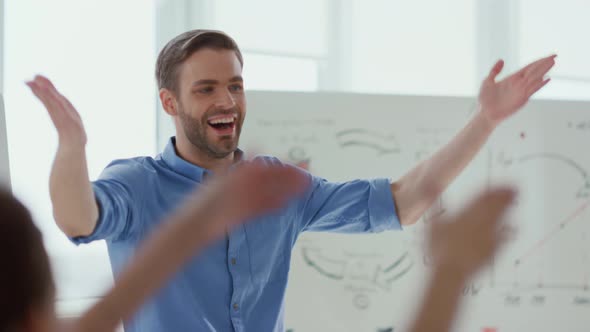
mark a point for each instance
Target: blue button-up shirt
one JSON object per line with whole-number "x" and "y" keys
{"x": 238, "y": 283}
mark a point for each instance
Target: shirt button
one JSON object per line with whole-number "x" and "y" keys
{"x": 233, "y": 261}
{"x": 236, "y": 306}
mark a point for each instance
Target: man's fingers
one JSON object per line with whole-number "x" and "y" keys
{"x": 46, "y": 99}
{"x": 535, "y": 68}
{"x": 526, "y": 69}
{"x": 536, "y": 86}
{"x": 496, "y": 69}
{"x": 46, "y": 90}
{"x": 59, "y": 117}
{"x": 538, "y": 72}
{"x": 60, "y": 100}
{"x": 54, "y": 101}
{"x": 48, "y": 86}
{"x": 44, "y": 81}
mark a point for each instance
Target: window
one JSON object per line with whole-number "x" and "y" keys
{"x": 562, "y": 27}
{"x": 413, "y": 47}
{"x": 282, "y": 50}
{"x": 268, "y": 72}
{"x": 357, "y": 46}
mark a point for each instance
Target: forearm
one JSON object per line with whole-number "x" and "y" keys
{"x": 415, "y": 192}
{"x": 441, "y": 301}
{"x": 164, "y": 253}
{"x": 74, "y": 206}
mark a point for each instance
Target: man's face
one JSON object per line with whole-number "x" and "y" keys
{"x": 211, "y": 103}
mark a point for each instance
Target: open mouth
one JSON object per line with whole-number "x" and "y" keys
{"x": 222, "y": 124}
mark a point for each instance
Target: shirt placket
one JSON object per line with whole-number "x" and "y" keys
{"x": 238, "y": 265}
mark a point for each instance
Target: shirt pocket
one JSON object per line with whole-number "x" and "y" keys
{"x": 269, "y": 247}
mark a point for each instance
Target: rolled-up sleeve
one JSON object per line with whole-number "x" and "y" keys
{"x": 359, "y": 206}
{"x": 118, "y": 194}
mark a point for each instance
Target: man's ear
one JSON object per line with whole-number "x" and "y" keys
{"x": 168, "y": 100}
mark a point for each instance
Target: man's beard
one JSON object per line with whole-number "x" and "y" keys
{"x": 196, "y": 132}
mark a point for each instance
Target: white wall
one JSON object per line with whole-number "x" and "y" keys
{"x": 4, "y": 165}
{"x": 100, "y": 54}
{"x": 547, "y": 26}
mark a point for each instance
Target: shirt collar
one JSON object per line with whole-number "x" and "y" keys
{"x": 186, "y": 168}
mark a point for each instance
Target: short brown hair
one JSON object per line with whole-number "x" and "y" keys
{"x": 183, "y": 46}
{"x": 26, "y": 280}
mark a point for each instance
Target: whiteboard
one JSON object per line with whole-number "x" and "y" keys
{"x": 4, "y": 167}
{"x": 540, "y": 282}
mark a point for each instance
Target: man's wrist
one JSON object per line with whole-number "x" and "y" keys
{"x": 484, "y": 121}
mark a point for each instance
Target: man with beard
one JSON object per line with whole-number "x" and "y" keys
{"x": 238, "y": 284}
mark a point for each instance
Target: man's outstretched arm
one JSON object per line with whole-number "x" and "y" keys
{"x": 415, "y": 192}
{"x": 74, "y": 206}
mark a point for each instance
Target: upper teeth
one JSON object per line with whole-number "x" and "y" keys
{"x": 222, "y": 120}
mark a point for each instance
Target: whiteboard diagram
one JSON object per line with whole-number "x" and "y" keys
{"x": 540, "y": 282}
